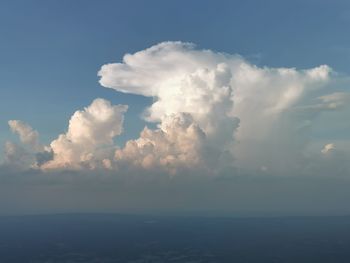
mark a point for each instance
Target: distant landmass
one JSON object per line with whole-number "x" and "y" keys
{"x": 113, "y": 238}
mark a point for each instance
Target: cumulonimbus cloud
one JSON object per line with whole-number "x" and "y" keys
{"x": 214, "y": 111}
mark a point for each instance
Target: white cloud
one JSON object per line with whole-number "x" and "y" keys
{"x": 215, "y": 112}
{"x": 253, "y": 113}
{"x": 176, "y": 144}
{"x": 273, "y": 129}
{"x": 171, "y": 61}
{"x": 90, "y": 133}
{"x": 26, "y": 134}
{"x": 328, "y": 148}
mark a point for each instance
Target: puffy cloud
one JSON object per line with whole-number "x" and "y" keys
{"x": 328, "y": 148}
{"x": 89, "y": 136}
{"x": 171, "y": 61}
{"x": 33, "y": 154}
{"x": 259, "y": 115}
{"x": 26, "y": 134}
{"x": 176, "y": 144}
{"x": 181, "y": 78}
{"x": 215, "y": 113}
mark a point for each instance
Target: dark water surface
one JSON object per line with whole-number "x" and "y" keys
{"x": 118, "y": 238}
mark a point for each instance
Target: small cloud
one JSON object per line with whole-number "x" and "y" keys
{"x": 335, "y": 100}
{"x": 328, "y": 148}
{"x": 27, "y": 134}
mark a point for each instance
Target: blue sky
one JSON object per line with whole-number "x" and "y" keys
{"x": 51, "y": 50}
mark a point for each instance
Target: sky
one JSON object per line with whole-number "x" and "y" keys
{"x": 200, "y": 107}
